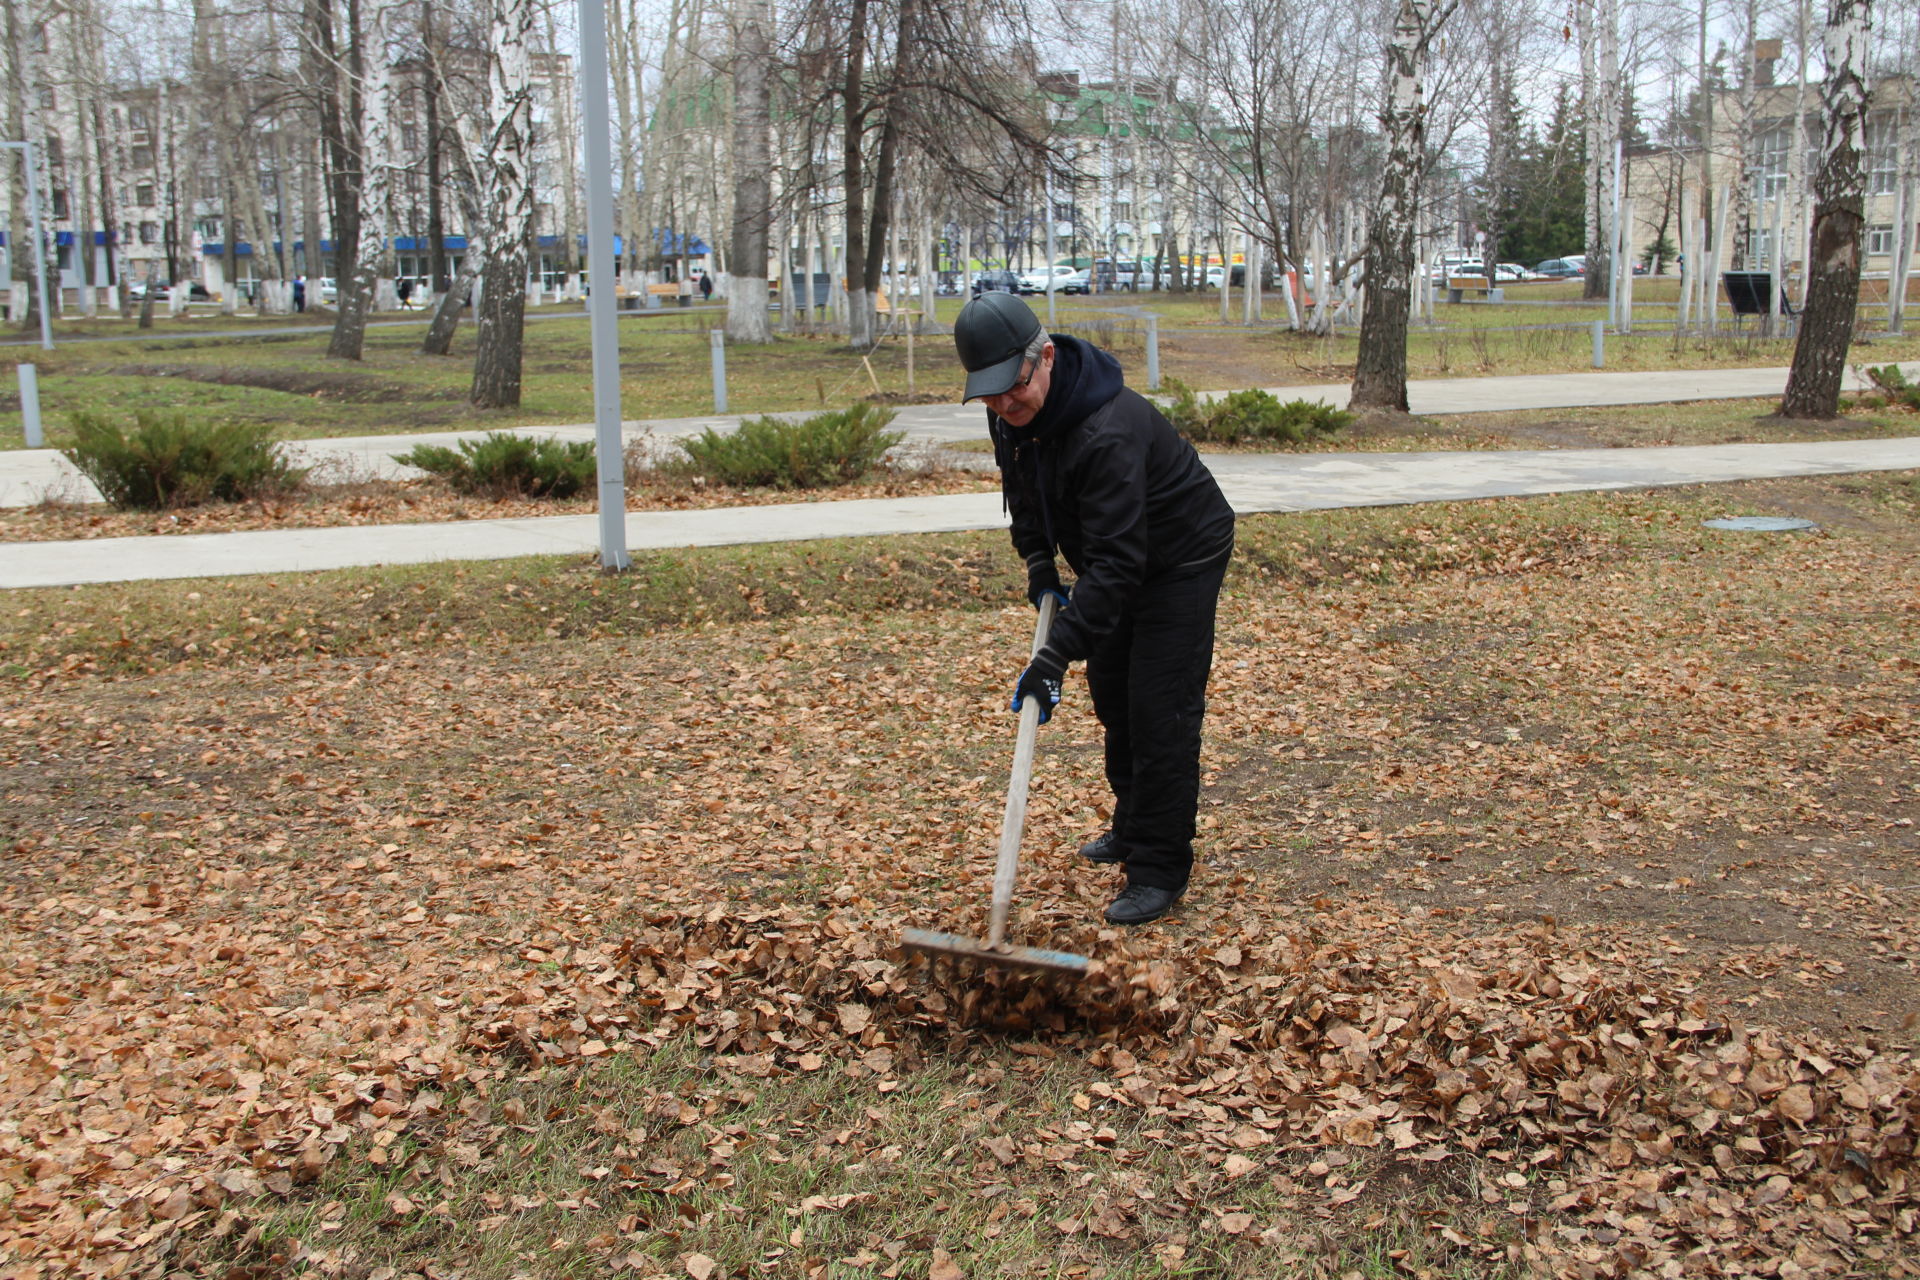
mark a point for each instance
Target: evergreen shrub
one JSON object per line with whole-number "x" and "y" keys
{"x": 169, "y": 460}
{"x": 1250, "y": 415}
{"x": 501, "y": 464}
{"x": 826, "y": 449}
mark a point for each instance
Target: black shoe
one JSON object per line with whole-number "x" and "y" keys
{"x": 1140, "y": 903}
{"x": 1105, "y": 848}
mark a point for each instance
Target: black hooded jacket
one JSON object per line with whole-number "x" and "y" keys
{"x": 1101, "y": 476}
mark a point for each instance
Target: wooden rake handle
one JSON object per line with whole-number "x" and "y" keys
{"x": 1007, "y": 869}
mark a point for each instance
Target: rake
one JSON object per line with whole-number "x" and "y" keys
{"x": 996, "y": 950}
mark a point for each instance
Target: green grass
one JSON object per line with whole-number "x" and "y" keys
{"x": 289, "y": 383}
{"x": 641, "y": 1161}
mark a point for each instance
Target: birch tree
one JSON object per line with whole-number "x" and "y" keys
{"x": 1599, "y": 26}
{"x": 501, "y": 315}
{"x": 747, "y": 317}
{"x": 1833, "y": 266}
{"x": 1380, "y": 372}
{"x": 333, "y": 73}
{"x": 360, "y": 277}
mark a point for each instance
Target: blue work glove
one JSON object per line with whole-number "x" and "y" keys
{"x": 1036, "y": 683}
{"x": 1043, "y": 580}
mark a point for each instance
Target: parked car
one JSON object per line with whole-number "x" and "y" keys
{"x": 1215, "y": 274}
{"x": 1456, "y": 264}
{"x": 996, "y": 281}
{"x": 1121, "y": 273}
{"x": 1559, "y": 269}
{"x": 1051, "y": 280}
{"x": 1510, "y": 273}
{"x": 329, "y": 291}
{"x": 163, "y": 292}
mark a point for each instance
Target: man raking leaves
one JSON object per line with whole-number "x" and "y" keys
{"x": 1094, "y": 473}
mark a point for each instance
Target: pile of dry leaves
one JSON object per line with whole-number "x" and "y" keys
{"x": 263, "y": 919}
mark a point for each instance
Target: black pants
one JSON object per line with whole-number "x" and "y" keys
{"x": 1148, "y": 679}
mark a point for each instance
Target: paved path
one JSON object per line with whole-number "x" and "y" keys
{"x": 1253, "y": 483}
{"x": 29, "y": 475}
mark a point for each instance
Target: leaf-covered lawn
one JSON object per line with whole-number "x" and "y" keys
{"x": 1555, "y": 916}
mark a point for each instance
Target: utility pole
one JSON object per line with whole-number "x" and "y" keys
{"x": 602, "y": 322}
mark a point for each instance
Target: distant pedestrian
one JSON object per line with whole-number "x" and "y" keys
{"x": 299, "y": 293}
{"x": 706, "y": 287}
{"x": 405, "y": 288}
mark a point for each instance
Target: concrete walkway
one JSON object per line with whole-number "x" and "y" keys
{"x": 28, "y": 476}
{"x": 1252, "y": 482}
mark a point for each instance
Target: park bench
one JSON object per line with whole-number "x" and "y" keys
{"x": 1476, "y": 288}
{"x": 669, "y": 290}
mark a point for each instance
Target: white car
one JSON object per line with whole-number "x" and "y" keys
{"x": 1053, "y": 279}
{"x": 1455, "y": 264}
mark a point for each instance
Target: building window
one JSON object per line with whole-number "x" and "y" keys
{"x": 137, "y": 117}
{"x": 60, "y": 202}
{"x": 1771, "y": 151}
{"x": 143, "y": 193}
{"x": 1880, "y": 242}
{"x": 140, "y": 157}
{"x": 56, "y": 152}
{"x": 149, "y": 232}
{"x": 409, "y": 137}
{"x": 47, "y": 101}
{"x": 1882, "y": 160}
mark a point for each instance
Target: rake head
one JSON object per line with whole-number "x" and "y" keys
{"x": 958, "y": 947}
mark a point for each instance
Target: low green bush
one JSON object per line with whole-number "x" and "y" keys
{"x": 168, "y": 460}
{"x": 1894, "y": 386}
{"x": 1250, "y": 415}
{"x": 826, "y": 449}
{"x": 501, "y": 464}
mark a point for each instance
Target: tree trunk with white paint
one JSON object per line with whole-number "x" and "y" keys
{"x": 502, "y": 307}
{"x": 359, "y": 287}
{"x": 748, "y": 319}
{"x": 1380, "y": 372}
{"x": 1833, "y": 267}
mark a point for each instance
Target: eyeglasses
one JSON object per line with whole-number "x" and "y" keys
{"x": 1020, "y": 385}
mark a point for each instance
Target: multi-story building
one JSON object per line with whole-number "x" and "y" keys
{"x": 138, "y": 189}
{"x": 1753, "y": 164}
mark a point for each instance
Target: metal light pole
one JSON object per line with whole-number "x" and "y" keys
{"x": 602, "y": 322}
{"x": 39, "y": 240}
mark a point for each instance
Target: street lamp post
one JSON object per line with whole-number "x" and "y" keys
{"x": 602, "y": 323}
{"x": 39, "y": 240}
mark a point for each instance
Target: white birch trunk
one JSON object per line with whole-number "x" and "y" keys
{"x": 1380, "y": 372}
{"x": 376, "y": 165}
{"x": 501, "y": 310}
{"x": 1688, "y": 264}
{"x": 1610, "y": 111}
{"x": 1799, "y": 186}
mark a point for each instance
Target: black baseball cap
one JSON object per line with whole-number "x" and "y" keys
{"x": 992, "y": 334}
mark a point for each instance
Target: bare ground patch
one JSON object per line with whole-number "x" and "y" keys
{"x": 345, "y": 386}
